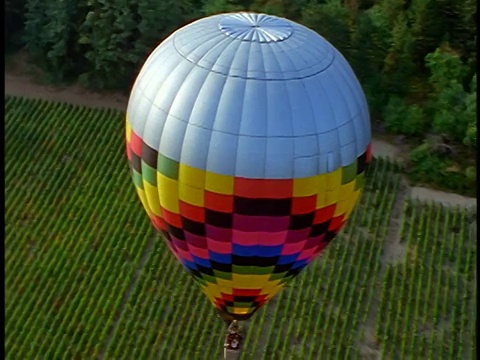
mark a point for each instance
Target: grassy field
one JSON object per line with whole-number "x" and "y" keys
{"x": 87, "y": 277}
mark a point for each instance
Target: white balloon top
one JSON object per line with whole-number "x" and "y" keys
{"x": 250, "y": 95}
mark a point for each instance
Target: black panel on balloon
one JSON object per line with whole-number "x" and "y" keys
{"x": 205, "y": 270}
{"x": 329, "y": 236}
{"x": 294, "y": 272}
{"x": 149, "y": 156}
{"x": 319, "y": 229}
{"x": 176, "y": 232}
{"x": 194, "y": 227}
{"x": 247, "y": 299}
{"x": 262, "y": 207}
{"x": 195, "y": 273}
{"x": 135, "y": 162}
{"x": 218, "y": 218}
{"x": 303, "y": 221}
{"x": 221, "y": 267}
{"x": 361, "y": 163}
{"x": 281, "y": 268}
{"x": 254, "y": 261}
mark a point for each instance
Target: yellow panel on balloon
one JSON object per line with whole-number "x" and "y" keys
{"x": 225, "y": 289}
{"x": 241, "y": 311}
{"x": 190, "y": 176}
{"x": 143, "y": 199}
{"x": 334, "y": 179}
{"x": 332, "y": 196}
{"x": 151, "y": 193}
{"x": 168, "y": 193}
{"x": 226, "y": 285}
{"x": 191, "y": 195}
{"x": 128, "y": 131}
{"x": 241, "y": 281}
{"x": 271, "y": 288}
{"x": 212, "y": 291}
{"x": 340, "y": 208}
{"x": 351, "y": 202}
{"x": 347, "y": 190}
{"x": 305, "y": 186}
{"x": 220, "y": 184}
{"x": 321, "y": 200}
{"x": 345, "y": 194}
{"x": 321, "y": 191}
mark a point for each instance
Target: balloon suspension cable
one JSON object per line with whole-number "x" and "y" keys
{"x": 233, "y": 342}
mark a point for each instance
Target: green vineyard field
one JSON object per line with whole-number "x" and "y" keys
{"x": 88, "y": 278}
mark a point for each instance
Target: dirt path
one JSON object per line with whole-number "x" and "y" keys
{"x": 385, "y": 149}
{"x": 22, "y": 85}
{"x": 426, "y": 194}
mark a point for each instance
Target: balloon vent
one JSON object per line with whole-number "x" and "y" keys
{"x": 253, "y": 27}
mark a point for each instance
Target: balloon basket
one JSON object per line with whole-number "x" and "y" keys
{"x": 233, "y": 342}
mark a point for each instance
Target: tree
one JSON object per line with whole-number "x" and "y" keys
{"x": 332, "y": 21}
{"x": 452, "y": 106}
{"x": 428, "y": 26}
{"x": 291, "y": 9}
{"x": 14, "y": 23}
{"x": 402, "y": 118}
{"x": 211, "y": 7}
{"x": 108, "y": 34}
{"x": 158, "y": 19}
{"x": 445, "y": 67}
{"x": 118, "y": 36}
{"x": 460, "y": 26}
{"x": 370, "y": 45}
{"x": 399, "y": 65}
{"x": 470, "y": 138}
{"x": 50, "y": 37}
{"x": 425, "y": 166}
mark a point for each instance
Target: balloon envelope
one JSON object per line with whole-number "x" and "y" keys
{"x": 248, "y": 136}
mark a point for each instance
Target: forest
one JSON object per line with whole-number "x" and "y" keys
{"x": 416, "y": 60}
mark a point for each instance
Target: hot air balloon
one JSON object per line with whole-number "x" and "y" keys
{"x": 248, "y": 136}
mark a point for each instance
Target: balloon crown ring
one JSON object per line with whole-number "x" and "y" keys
{"x": 252, "y": 27}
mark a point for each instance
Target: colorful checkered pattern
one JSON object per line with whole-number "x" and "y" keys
{"x": 242, "y": 239}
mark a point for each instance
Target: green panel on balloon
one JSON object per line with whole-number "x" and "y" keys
{"x": 222, "y": 275}
{"x": 149, "y": 174}
{"x": 200, "y": 281}
{"x": 277, "y": 276}
{"x": 137, "y": 178}
{"x": 254, "y": 270}
{"x": 168, "y": 167}
{"x": 360, "y": 181}
{"x": 241, "y": 304}
{"x": 210, "y": 279}
{"x": 349, "y": 172}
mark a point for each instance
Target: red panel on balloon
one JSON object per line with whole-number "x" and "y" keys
{"x": 172, "y": 218}
{"x": 263, "y": 188}
{"x": 336, "y": 223}
{"x": 136, "y": 144}
{"x": 324, "y": 214}
{"x": 158, "y": 223}
{"x": 246, "y": 292}
{"x": 192, "y": 212}
{"x": 369, "y": 152}
{"x": 220, "y": 247}
{"x": 218, "y": 202}
{"x": 304, "y": 204}
{"x": 293, "y": 248}
{"x": 199, "y": 252}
